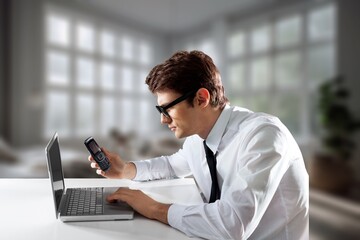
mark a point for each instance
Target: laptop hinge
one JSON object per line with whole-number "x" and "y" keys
{"x": 62, "y": 206}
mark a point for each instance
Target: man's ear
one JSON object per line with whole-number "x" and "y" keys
{"x": 202, "y": 97}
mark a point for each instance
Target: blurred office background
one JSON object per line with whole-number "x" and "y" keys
{"x": 78, "y": 67}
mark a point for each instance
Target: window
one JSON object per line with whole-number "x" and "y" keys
{"x": 288, "y": 31}
{"x": 287, "y": 69}
{"x": 85, "y": 72}
{"x": 321, "y": 23}
{"x": 85, "y": 114}
{"x": 107, "y": 43}
{"x": 58, "y": 30}
{"x": 94, "y": 77}
{"x": 236, "y": 44}
{"x": 57, "y": 114}
{"x": 260, "y": 73}
{"x": 260, "y": 39}
{"x": 277, "y": 66}
{"x": 85, "y": 39}
{"x": 58, "y": 68}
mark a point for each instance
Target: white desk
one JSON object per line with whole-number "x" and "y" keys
{"x": 27, "y": 211}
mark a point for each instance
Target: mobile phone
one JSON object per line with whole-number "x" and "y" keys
{"x": 97, "y": 154}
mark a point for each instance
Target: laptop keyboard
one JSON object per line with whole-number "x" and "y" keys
{"x": 84, "y": 201}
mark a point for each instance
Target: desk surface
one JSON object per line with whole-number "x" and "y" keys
{"x": 27, "y": 210}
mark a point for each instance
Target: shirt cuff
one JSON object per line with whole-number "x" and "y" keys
{"x": 140, "y": 170}
{"x": 175, "y": 215}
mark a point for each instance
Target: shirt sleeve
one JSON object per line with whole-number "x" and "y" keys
{"x": 261, "y": 162}
{"x": 164, "y": 167}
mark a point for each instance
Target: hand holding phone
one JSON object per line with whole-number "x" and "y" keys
{"x": 97, "y": 154}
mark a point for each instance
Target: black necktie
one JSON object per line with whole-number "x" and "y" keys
{"x": 211, "y": 160}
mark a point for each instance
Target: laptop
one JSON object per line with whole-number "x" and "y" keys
{"x": 80, "y": 204}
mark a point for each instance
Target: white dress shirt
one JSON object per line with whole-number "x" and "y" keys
{"x": 263, "y": 181}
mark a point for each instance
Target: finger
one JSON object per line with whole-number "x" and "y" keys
{"x": 100, "y": 172}
{"x": 114, "y": 196}
{"x": 94, "y": 165}
{"x": 90, "y": 158}
{"x": 111, "y": 198}
{"x": 111, "y": 201}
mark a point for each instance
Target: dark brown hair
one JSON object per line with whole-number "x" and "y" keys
{"x": 185, "y": 72}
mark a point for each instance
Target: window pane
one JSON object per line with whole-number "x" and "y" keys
{"x": 260, "y": 39}
{"x": 127, "y": 76}
{"x": 58, "y": 30}
{"x": 85, "y": 114}
{"x": 85, "y": 72}
{"x": 145, "y": 53}
{"x": 57, "y": 113}
{"x": 287, "y": 108}
{"x": 236, "y": 44}
{"x": 320, "y": 64}
{"x": 260, "y": 73}
{"x": 287, "y": 69}
{"x": 107, "y": 115}
{"x": 127, "y": 115}
{"x": 57, "y": 68}
{"x": 236, "y": 76}
{"x": 127, "y": 48}
{"x": 322, "y": 23}
{"x": 107, "y": 72}
{"x": 288, "y": 31}
{"x": 85, "y": 37}
{"x": 108, "y": 44}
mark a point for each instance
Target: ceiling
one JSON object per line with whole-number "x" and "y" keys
{"x": 172, "y": 16}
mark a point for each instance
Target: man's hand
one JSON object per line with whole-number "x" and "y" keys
{"x": 141, "y": 203}
{"x": 118, "y": 168}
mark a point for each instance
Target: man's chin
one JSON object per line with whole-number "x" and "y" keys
{"x": 180, "y": 135}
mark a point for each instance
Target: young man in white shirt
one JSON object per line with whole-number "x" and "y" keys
{"x": 247, "y": 164}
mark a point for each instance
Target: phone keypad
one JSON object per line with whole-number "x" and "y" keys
{"x": 103, "y": 162}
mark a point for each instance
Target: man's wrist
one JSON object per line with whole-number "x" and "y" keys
{"x": 129, "y": 171}
{"x": 160, "y": 212}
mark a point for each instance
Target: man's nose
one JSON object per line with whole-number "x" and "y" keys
{"x": 164, "y": 119}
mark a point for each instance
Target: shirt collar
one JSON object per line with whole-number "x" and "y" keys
{"x": 214, "y": 138}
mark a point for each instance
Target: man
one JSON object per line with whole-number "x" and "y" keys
{"x": 247, "y": 164}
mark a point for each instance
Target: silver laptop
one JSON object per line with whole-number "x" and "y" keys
{"x": 80, "y": 204}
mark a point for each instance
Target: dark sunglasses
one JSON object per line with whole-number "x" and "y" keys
{"x": 163, "y": 109}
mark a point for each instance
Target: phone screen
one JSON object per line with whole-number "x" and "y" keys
{"x": 94, "y": 147}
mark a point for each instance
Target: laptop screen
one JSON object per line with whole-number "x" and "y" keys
{"x": 55, "y": 169}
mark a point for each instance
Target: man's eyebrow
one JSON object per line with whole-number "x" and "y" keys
{"x": 164, "y": 105}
